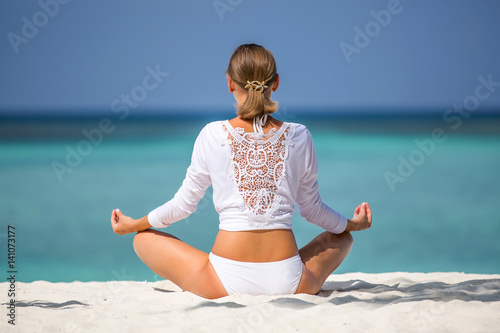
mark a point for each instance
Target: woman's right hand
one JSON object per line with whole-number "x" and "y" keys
{"x": 362, "y": 218}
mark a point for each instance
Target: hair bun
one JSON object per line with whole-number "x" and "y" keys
{"x": 253, "y": 67}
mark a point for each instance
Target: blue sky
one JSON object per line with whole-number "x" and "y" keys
{"x": 73, "y": 56}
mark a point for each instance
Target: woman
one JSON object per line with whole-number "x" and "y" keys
{"x": 259, "y": 168}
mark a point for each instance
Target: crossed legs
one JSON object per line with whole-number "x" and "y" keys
{"x": 174, "y": 260}
{"x": 321, "y": 257}
{"x": 190, "y": 269}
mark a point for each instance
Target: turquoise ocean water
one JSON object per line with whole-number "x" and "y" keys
{"x": 435, "y": 202}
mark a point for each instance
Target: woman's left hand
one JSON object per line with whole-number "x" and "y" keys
{"x": 121, "y": 223}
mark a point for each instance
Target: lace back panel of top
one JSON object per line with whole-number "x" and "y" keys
{"x": 258, "y": 166}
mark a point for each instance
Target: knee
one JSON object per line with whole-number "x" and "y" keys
{"x": 344, "y": 238}
{"x": 341, "y": 241}
{"x": 141, "y": 238}
{"x": 347, "y": 240}
{"x": 348, "y": 237}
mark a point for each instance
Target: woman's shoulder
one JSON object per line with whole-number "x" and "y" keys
{"x": 219, "y": 128}
{"x": 213, "y": 126}
{"x": 295, "y": 125}
{"x": 213, "y": 130}
{"x": 298, "y": 129}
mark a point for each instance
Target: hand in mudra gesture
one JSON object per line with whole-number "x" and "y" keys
{"x": 362, "y": 218}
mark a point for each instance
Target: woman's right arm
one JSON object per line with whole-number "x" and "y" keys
{"x": 312, "y": 208}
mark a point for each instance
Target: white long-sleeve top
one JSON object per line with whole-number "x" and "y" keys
{"x": 257, "y": 180}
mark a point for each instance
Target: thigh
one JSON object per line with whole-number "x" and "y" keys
{"x": 181, "y": 263}
{"x": 321, "y": 257}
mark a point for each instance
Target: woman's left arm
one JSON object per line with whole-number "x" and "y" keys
{"x": 182, "y": 204}
{"x": 123, "y": 224}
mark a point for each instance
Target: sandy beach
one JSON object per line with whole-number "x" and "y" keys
{"x": 353, "y": 302}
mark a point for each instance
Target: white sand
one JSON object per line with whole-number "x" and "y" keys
{"x": 354, "y": 302}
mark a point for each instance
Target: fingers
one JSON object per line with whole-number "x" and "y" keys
{"x": 368, "y": 212}
{"x": 362, "y": 216}
{"x": 362, "y": 210}
{"x": 115, "y": 216}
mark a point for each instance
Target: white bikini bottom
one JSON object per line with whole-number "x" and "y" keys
{"x": 258, "y": 278}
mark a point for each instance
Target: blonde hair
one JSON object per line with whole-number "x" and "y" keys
{"x": 251, "y": 63}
